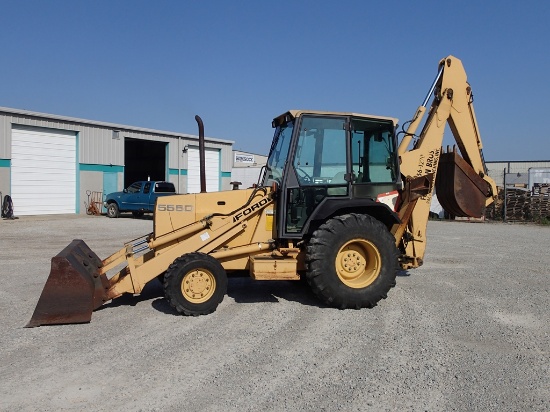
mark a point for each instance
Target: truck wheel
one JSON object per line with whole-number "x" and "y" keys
{"x": 351, "y": 261}
{"x": 195, "y": 284}
{"x": 112, "y": 210}
{"x": 137, "y": 213}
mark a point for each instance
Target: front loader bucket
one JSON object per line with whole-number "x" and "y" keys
{"x": 74, "y": 288}
{"x": 460, "y": 190}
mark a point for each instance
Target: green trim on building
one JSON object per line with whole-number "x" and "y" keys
{"x": 222, "y": 175}
{"x": 183, "y": 172}
{"x": 5, "y": 162}
{"x": 86, "y": 167}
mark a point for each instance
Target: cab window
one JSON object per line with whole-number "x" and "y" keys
{"x": 134, "y": 187}
{"x": 372, "y": 150}
{"x": 320, "y": 157}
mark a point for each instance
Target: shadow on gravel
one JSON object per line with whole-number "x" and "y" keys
{"x": 125, "y": 215}
{"x": 403, "y": 273}
{"x": 247, "y": 290}
{"x": 151, "y": 290}
{"x": 241, "y": 289}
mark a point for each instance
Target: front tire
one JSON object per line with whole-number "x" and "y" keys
{"x": 195, "y": 284}
{"x": 112, "y": 210}
{"x": 351, "y": 261}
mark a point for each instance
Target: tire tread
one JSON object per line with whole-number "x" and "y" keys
{"x": 323, "y": 246}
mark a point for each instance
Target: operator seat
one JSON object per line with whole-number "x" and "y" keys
{"x": 339, "y": 178}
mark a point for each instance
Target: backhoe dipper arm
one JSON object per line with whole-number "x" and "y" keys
{"x": 463, "y": 187}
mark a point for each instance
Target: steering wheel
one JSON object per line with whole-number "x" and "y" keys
{"x": 304, "y": 177}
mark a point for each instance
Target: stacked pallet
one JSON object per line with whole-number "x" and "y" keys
{"x": 522, "y": 206}
{"x": 541, "y": 188}
{"x": 540, "y": 206}
{"x": 496, "y": 210}
{"x": 518, "y": 204}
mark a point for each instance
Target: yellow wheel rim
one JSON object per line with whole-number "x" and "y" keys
{"x": 358, "y": 263}
{"x": 198, "y": 286}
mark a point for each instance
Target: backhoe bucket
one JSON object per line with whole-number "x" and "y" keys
{"x": 460, "y": 190}
{"x": 74, "y": 288}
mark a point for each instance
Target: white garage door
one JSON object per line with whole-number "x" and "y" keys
{"x": 212, "y": 166}
{"x": 43, "y": 171}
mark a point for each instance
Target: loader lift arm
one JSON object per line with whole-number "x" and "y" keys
{"x": 79, "y": 281}
{"x": 461, "y": 182}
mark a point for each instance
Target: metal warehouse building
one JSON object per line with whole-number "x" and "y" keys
{"x": 247, "y": 167}
{"x": 49, "y": 164}
{"x": 498, "y": 169}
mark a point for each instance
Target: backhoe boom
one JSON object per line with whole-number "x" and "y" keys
{"x": 463, "y": 187}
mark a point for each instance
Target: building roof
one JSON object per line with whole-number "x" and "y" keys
{"x": 114, "y": 126}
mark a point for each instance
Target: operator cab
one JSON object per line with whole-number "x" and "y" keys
{"x": 336, "y": 161}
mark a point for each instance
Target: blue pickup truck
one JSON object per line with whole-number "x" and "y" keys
{"x": 138, "y": 198}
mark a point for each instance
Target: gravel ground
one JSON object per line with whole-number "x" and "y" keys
{"x": 467, "y": 331}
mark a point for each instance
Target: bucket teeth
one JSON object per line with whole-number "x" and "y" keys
{"x": 73, "y": 289}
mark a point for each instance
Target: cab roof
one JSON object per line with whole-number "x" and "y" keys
{"x": 297, "y": 113}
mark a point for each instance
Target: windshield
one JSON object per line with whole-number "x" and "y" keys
{"x": 278, "y": 154}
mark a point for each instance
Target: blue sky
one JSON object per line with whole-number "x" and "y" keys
{"x": 238, "y": 64}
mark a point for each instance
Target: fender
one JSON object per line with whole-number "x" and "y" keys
{"x": 334, "y": 206}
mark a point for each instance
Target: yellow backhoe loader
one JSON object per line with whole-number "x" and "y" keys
{"x": 339, "y": 203}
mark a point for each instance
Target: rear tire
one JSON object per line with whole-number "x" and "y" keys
{"x": 195, "y": 284}
{"x": 351, "y": 261}
{"x": 112, "y": 210}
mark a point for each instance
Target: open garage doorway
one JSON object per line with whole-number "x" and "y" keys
{"x": 144, "y": 160}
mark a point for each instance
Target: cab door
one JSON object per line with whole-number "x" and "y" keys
{"x": 318, "y": 168}
{"x": 133, "y": 197}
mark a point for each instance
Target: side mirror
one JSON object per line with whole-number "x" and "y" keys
{"x": 274, "y": 189}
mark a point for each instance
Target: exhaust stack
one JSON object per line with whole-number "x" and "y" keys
{"x": 202, "y": 159}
